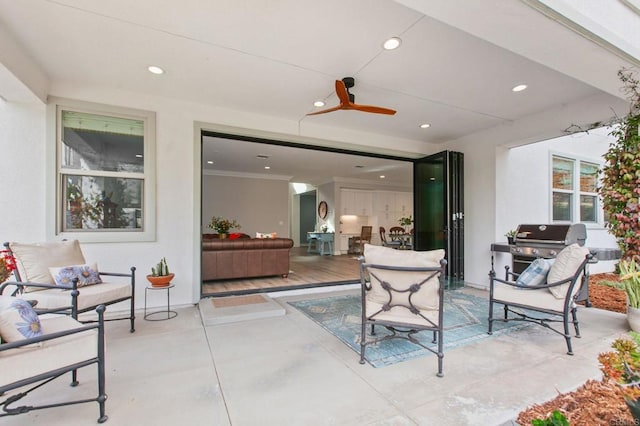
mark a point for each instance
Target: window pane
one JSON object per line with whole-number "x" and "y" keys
{"x": 588, "y": 177}
{"x": 562, "y": 173}
{"x": 93, "y": 202}
{"x": 99, "y": 142}
{"x": 562, "y": 206}
{"x": 587, "y": 208}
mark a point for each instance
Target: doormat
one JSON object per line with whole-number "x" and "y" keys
{"x": 224, "y": 302}
{"x": 465, "y": 322}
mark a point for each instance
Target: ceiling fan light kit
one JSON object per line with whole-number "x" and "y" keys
{"x": 347, "y": 100}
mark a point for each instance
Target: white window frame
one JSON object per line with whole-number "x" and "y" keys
{"x": 54, "y": 182}
{"x": 575, "y": 191}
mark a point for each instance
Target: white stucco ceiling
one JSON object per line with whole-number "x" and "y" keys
{"x": 454, "y": 70}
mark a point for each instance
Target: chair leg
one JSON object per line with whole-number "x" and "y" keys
{"x": 567, "y": 336}
{"x": 490, "y": 331}
{"x": 373, "y": 330}
{"x": 102, "y": 396}
{"x": 440, "y": 353}
{"x": 363, "y": 338}
{"x": 575, "y": 322}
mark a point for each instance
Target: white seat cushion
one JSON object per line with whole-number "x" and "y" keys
{"x": 21, "y": 363}
{"x": 89, "y": 296}
{"x": 536, "y": 298}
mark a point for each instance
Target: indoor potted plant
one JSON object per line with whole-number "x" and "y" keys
{"x": 222, "y": 225}
{"x": 160, "y": 275}
{"x": 405, "y": 222}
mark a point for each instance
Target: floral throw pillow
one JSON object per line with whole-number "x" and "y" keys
{"x": 86, "y": 274}
{"x": 18, "y": 320}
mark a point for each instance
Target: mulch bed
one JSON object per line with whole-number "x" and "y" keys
{"x": 597, "y": 402}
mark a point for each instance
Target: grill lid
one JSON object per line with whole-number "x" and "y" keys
{"x": 551, "y": 234}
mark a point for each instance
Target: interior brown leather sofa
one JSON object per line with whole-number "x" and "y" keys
{"x": 245, "y": 258}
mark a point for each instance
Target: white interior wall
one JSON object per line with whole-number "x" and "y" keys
{"x": 258, "y": 205}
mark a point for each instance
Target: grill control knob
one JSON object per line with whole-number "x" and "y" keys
{"x": 552, "y": 253}
{"x": 517, "y": 250}
{"x": 534, "y": 251}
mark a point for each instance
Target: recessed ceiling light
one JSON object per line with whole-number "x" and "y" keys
{"x": 318, "y": 104}
{"x": 267, "y": 167}
{"x": 209, "y": 162}
{"x": 138, "y": 155}
{"x": 359, "y": 167}
{"x": 519, "y": 88}
{"x": 155, "y": 70}
{"x": 392, "y": 43}
{"x": 262, "y": 156}
{"x": 425, "y": 126}
{"x": 382, "y": 176}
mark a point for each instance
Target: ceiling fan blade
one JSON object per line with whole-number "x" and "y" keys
{"x": 373, "y": 109}
{"x": 341, "y": 91}
{"x": 324, "y": 111}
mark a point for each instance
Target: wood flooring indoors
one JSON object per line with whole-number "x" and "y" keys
{"x": 305, "y": 270}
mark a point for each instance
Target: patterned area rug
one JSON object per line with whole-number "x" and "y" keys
{"x": 465, "y": 321}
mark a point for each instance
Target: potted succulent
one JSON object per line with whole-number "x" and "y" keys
{"x": 160, "y": 275}
{"x": 511, "y": 235}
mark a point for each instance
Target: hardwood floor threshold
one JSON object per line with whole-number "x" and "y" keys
{"x": 275, "y": 289}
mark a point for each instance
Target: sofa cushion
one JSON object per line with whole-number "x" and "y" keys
{"x": 86, "y": 274}
{"x": 18, "y": 320}
{"x": 536, "y": 273}
{"x": 426, "y": 299}
{"x": 34, "y": 260}
{"x": 565, "y": 266}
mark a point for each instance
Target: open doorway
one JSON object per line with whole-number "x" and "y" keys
{"x": 276, "y": 188}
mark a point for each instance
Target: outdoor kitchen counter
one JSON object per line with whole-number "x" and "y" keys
{"x": 600, "y": 253}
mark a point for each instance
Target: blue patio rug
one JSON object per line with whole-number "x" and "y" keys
{"x": 465, "y": 321}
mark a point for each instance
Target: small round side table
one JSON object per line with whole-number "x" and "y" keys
{"x": 161, "y": 315}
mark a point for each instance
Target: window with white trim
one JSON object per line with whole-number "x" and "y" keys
{"x": 574, "y": 194}
{"x": 105, "y": 173}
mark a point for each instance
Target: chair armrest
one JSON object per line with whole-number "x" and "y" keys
{"x": 32, "y": 284}
{"x": 21, "y": 343}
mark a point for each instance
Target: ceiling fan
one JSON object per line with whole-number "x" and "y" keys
{"x": 347, "y": 100}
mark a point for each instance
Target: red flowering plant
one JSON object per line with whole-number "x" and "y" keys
{"x": 7, "y": 265}
{"x": 620, "y": 187}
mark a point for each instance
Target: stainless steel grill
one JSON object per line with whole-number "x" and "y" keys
{"x": 546, "y": 241}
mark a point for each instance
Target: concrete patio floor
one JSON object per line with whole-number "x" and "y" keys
{"x": 287, "y": 370}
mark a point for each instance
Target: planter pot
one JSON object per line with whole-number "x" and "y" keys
{"x": 510, "y": 240}
{"x": 161, "y": 281}
{"x": 222, "y": 236}
{"x": 633, "y": 317}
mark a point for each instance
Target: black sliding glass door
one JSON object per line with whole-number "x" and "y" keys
{"x": 439, "y": 207}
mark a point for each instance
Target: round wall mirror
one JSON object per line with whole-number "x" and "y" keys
{"x": 322, "y": 209}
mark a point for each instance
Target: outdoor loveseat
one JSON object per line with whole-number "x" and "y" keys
{"x": 50, "y": 269}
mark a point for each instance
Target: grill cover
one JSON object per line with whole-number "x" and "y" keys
{"x": 551, "y": 234}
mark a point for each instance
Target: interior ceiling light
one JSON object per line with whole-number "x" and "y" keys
{"x": 209, "y": 162}
{"x": 382, "y": 176}
{"x": 519, "y": 88}
{"x": 262, "y": 156}
{"x": 318, "y": 104}
{"x": 155, "y": 70}
{"x": 138, "y": 155}
{"x": 267, "y": 168}
{"x": 425, "y": 126}
{"x": 392, "y": 43}
{"x": 359, "y": 167}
